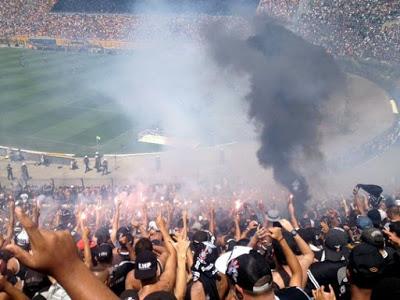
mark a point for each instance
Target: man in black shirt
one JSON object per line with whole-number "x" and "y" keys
{"x": 331, "y": 268}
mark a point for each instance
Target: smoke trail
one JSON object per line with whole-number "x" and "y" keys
{"x": 291, "y": 82}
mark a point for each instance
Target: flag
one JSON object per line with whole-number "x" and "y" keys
{"x": 98, "y": 139}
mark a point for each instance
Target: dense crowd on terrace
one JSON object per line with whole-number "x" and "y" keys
{"x": 346, "y": 27}
{"x": 212, "y": 241}
{"x": 217, "y": 241}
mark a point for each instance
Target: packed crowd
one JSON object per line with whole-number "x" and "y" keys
{"x": 18, "y": 18}
{"x": 346, "y": 27}
{"x": 363, "y": 29}
{"x": 157, "y": 242}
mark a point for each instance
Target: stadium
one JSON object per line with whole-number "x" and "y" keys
{"x": 144, "y": 127}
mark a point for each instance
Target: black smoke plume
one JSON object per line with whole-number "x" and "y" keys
{"x": 291, "y": 81}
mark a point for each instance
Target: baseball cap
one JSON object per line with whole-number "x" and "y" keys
{"x": 146, "y": 265}
{"x": 251, "y": 272}
{"x": 366, "y": 265}
{"x": 222, "y": 262}
{"x": 104, "y": 253}
{"x": 364, "y": 222}
{"x": 335, "y": 245}
{"x": 374, "y": 237}
{"x": 22, "y": 239}
{"x": 273, "y": 215}
{"x": 153, "y": 226}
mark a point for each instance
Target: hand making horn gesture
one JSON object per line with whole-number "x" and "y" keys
{"x": 55, "y": 253}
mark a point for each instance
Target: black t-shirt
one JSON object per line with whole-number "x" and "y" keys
{"x": 35, "y": 282}
{"x": 292, "y": 293}
{"x": 325, "y": 273}
{"x": 118, "y": 275}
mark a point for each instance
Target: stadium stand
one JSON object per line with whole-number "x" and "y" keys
{"x": 118, "y": 241}
{"x": 211, "y": 7}
{"x": 343, "y": 27}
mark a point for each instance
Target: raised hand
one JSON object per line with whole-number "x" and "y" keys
{"x": 393, "y": 238}
{"x": 320, "y": 294}
{"x": 182, "y": 244}
{"x": 160, "y": 222}
{"x": 262, "y": 234}
{"x": 85, "y": 233}
{"x": 286, "y": 225}
{"x": 275, "y": 233}
{"x": 55, "y": 254}
{"x": 51, "y": 251}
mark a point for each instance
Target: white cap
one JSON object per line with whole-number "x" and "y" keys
{"x": 222, "y": 262}
{"x": 153, "y": 226}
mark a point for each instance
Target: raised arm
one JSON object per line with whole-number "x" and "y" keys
{"x": 115, "y": 223}
{"x": 11, "y": 221}
{"x": 292, "y": 213}
{"x": 307, "y": 257}
{"x": 212, "y": 220}
{"x": 238, "y": 233}
{"x": 181, "y": 248}
{"x": 358, "y": 203}
{"x": 54, "y": 253}
{"x": 345, "y": 207}
{"x": 36, "y": 211}
{"x": 293, "y": 263}
{"x": 167, "y": 278}
{"x": 252, "y": 225}
{"x": 86, "y": 250}
{"x": 185, "y": 224}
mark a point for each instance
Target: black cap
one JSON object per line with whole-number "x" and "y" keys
{"x": 374, "y": 237}
{"x": 374, "y": 192}
{"x": 146, "y": 265}
{"x": 366, "y": 265}
{"x": 251, "y": 272}
{"x": 335, "y": 245}
{"x": 104, "y": 253}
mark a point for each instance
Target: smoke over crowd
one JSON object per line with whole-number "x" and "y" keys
{"x": 291, "y": 82}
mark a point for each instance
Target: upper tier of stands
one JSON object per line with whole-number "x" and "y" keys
{"x": 213, "y": 7}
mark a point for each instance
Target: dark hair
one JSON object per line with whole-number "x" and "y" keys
{"x": 308, "y": 235}
{"x": 143, "y": 244}
{"x": 243, "y": 242}
{"x": 102, "y": 235}
{"x": 160, "y": 296}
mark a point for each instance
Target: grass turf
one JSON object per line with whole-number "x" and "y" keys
{"x": 44, "y": 105}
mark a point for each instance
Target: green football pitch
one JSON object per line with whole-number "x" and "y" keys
{"x": 45, "y": 105}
